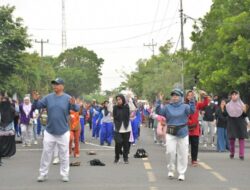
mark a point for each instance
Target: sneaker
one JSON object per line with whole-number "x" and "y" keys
{"x": 35, "y": 142}
{"x": 170, "y": 175}
{"x": 241, "y": 157}
{"x": 181, "y": 177}
{"x": 125, "y": 161}
{"x": 205, "y": 145}
{"x": 56, "y": 161}
{"x": 231, "y": 156}
{"x": 29, "y": 145}
{"x": 77, "y": 155}
{"x": 65, "y": 178}
{"x": 42, "y": 178}
{"x": 213, "y": 146}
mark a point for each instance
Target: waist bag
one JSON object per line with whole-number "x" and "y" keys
{"x": 173, "y": 130}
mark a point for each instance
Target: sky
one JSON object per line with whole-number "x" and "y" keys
{"x": 116, "y": 30}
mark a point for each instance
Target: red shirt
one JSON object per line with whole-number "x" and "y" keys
{"x": 194, "y": 118}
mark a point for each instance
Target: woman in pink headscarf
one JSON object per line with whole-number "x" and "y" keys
{"x": 236, "y": 125}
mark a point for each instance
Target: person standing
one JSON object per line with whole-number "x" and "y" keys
{"x": 121, "y": 114}
{"x": 208, "y": 123}
{"x": 7, "y": 131}
{"x": 221, "y": 122}
{"x": 106, "y": 132}
{"x": 58, "y": 105}
{"x": 193, "y": 124}
{"x": 26, "y": 121}
{"x": 236, "y": 123}
{"x": 176, "y": 114}
{"x": 75, "y": 129}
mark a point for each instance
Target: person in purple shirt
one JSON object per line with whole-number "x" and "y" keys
{"x": 58, "y": 105}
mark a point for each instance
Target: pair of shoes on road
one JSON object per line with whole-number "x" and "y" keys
{"x": 42, "y": 178}
{"x": 56, "y": 161}
{"x": 116, "y": 161}
{"x": 180, "y": 178}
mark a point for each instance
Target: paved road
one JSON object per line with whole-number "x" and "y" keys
{"x": 216, "y": 170}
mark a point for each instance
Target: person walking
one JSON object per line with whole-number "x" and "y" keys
{"x": 58, "y": 105}
{"x": 221, "y": 123}
{"x": 236, "y": 123}
{"x": 176, "y": 114}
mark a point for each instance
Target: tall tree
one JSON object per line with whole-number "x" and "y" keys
{"x": 220, "y": 54}
{"x": 13, "y": 41}
{"x": 81, "y": 69}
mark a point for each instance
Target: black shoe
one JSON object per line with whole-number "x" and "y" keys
{"x": 116, "y": 161}
{"x": 125, "y": 161}
{"x": 241, "y": 157}
{"x": 231, "y": 156}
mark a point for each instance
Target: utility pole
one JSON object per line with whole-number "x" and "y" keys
{"x": 151, "y": 46}
{"x": 42, "y": 42}
{"x": 182, "y": 45}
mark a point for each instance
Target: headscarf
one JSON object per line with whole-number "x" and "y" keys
{"x": 122, "y": 113}
{"x": 27, "y": 107}
{"x": 7, "y": 112}
{"x": 235, "y": 108}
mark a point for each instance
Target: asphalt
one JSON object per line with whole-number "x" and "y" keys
{"x": 215, "y": 171}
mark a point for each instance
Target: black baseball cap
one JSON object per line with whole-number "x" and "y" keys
{"x": 57, "y": 81}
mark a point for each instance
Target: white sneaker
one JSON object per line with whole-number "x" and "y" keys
{"x": 181, "y": 177}
{"x": 42, "y": 178}
{"x": 56, "y": 161}
{"x": 212, "y": 145}
{"x": 171, "y": 175}
{"x": 35, "y": 142}
{"x": 65, "y": 178}
{"x": 205, "y": 145}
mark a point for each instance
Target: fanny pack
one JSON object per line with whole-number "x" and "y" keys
{"x": 173, "y": 130}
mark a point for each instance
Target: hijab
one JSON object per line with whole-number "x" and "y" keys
{"x": 235, "y": 108}
{"x": 27, "y": 107}
{"x": 7, "y": 112}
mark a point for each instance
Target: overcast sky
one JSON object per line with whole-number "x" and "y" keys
{"x": 115, "y": 29}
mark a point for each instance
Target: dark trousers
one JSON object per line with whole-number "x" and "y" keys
{"x": 122, "y": 145}
{"x": 194, "y": 142}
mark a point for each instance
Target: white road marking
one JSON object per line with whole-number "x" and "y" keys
{"x": 110, "y": 147}
{"x": 147, "y": 166}
{"x": 153, "y": 188}
{"x": 205, "y": 166}
{"x": 219, "y": 176}
{"x": 151, "y": 177}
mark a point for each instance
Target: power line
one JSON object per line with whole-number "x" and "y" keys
{"x": 156, "y": 13}
{"x": 64, "y": 37}
{"x": 101, "y": 28}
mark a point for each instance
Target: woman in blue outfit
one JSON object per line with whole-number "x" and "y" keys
{"x": 221, "y": 122}
{"x": 106, "y": 133}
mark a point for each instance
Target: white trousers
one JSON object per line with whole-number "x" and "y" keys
{"x": 177, "y": 149}
{"x": 208, "y": 131}
{"x": 49, "y": 143}
{"x": 27, "y": 132}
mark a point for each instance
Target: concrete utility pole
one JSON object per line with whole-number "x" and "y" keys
{"x": 182, "y": 45}
{"x": 42, "y": 42}
{"x": 151, "y": 46}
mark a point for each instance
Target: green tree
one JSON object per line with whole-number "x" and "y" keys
{"x": 220, "y": 54}
{"x": 81, "y": 70}
{"x": 13, "y": 41}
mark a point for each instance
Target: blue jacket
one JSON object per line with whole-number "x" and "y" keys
{"x": 176, "y": 114}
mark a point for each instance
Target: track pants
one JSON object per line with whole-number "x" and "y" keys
{"x": 177, "y": 150}
{"x": 49, "y": 143}
{"x": 106, "y": 133}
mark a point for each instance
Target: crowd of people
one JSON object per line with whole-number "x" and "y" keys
{"x": 178, "y": 121}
